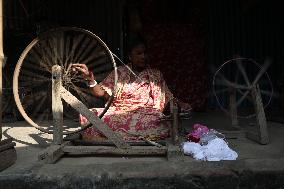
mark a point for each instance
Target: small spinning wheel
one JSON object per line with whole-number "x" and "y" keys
{"x": 33, "y": 73}
{"x": 235, "y": 88}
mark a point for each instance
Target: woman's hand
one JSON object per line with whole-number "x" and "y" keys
{"x": 87, "y": 75}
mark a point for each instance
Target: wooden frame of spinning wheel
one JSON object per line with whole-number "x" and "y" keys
{"x": 253, "y": 89}
{"x": 61, "y": 147}
{"x": 261, "y": 134}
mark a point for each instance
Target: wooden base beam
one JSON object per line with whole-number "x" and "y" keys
{"x": 8, "y": 153}
{"x": 110, "y": 150}
{"x": 52, "y": 153}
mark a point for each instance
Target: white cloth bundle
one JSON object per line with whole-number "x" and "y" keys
{"x": 216, "y": 150}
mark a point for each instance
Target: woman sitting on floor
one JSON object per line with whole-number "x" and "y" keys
{"x": 139, "y": 100}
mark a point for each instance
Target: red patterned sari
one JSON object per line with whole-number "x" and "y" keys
{"x": 136, "y": 108}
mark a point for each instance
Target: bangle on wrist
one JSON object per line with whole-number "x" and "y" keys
{"x": 94, "y": 84}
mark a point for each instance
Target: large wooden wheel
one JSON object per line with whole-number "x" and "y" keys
{"x": 60, "y": 46}
{"x": 233, "y": 77}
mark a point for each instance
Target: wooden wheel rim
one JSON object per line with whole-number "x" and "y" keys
{"x": 27, "y": 50}
{"x": 218, "y": 99}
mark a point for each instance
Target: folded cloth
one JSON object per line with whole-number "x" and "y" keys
{"x": 216, "y": 150}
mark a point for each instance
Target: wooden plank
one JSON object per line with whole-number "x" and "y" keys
{"x": 7, "y": 146}
{"x": 7, "y": 158}
{"x": 97, "y": 122}
{"x": 52, "y": 153}
{"x": 233, "y": 108}
{"x": 109, "y": 143}
{"x": 175, "y": 125}
{"x": 261, "y": 122}
{"x": 57, "y": 107}
{"x": 174, "y": 152}
{"x": 73, "y": 137}
{"x": 109, "y": 150}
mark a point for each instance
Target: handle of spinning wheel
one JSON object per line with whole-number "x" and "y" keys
{"x": 110, "y": 100}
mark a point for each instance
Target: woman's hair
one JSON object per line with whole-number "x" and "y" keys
{"x": 134, "y": 41}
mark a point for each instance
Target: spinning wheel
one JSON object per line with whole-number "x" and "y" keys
{"x": 44, "y": 71}
{"x": 232, "y": 80}
{"x": 33, "y": 72}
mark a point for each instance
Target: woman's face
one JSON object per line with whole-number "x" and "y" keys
{"x": 138, "y": 56}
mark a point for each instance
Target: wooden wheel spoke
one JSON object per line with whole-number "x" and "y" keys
{"x": 222, "y": 90}
{"x": 30, "y": 78}
{"x": 38, "y": 96}
{"x": 243, "y": 93}
{"x": 242, "y": 70}
{"x": 34, "y": 57}
{"x": 45, "y": 53}
{"x": 77, "y": 80}
{"x": 46, "y": 57}
{"x": 32, "y": 98}
{"x": 75, "y": 45}
{"x": 84, "y": 46}
{"x": 50, "y": 50}
{"x": 31, "y": 83}
{"x": 82, "y": 95}
{"x": 261, "y": 72}
{"x": 61, "y": 48}
{"x": 242, "y": 98}
{"x": 240, "y": 91}
{"x": 43, "y": 116}
{"x": 224, "y": 82}
{"x": 76, "y": 77}
{"x": 57, "y": 48}
{"x": 39, "y": 106}
{"x": 54, "y": 49}
{"x": 93, "y": 58}
{"x": 269, "y": 93}
{"x": 101, "y": 68}
{"x": 31, "y": 64}
{"x": 88, "y": 51}
{"x": 28, "y": 73}
{"x": 66, "y": 51}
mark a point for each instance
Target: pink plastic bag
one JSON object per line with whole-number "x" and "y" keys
{"x": 195, "y": 134}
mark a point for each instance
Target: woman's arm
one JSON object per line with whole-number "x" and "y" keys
{"x": 96, "y": 89}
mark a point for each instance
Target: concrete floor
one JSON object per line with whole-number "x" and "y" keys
{"x": 258, "y": 166}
